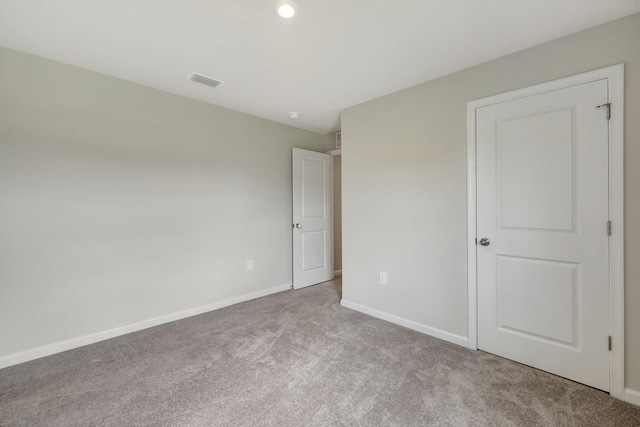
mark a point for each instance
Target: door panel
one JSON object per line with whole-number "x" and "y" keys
{"x": 313, "y": 188}
{"x": 525, "y": 157}
{"x": 542, "y": 201}
{"x": 313, "y": 254}
{"x": 525, "y": 285}
{"x": 312, "y": 237}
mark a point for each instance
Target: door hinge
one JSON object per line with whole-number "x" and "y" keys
{"x": 610, "y": 343}
{"x": 608, "y": 228}
{"x": 608, "y": 107}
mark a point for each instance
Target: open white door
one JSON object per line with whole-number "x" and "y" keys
{"x": 312, "y": 224}
{"x": 543, "y": 247}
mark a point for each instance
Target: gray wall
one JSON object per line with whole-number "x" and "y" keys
{"x": 120, "y": 203}
{"x": 404, "y": 181}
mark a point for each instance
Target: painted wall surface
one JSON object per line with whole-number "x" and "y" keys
{"x": 120, "y": 203}
{"x": 337, "y": 213}
{"x": 404, "y": 181}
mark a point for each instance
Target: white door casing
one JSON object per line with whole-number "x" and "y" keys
{"x": 548, "y": 287}
{"x": 312, "y": 219}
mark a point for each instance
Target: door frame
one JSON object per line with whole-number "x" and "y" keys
{"x": 334, "y": 154}
{"x": 615, "y": 76}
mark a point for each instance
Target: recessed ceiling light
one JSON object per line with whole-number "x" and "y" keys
{"x": 293, "y": 115}
{"x": 286, "y": 9}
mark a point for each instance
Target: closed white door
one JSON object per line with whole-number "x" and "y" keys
{"x": 312, "y": 225}
{"x": 542, "y": 206}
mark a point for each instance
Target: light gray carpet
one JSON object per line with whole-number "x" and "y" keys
{"x": 293, "y": 359}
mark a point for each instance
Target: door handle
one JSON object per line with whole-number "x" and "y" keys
{"x": 485, "y": 242}
{"x": 298, "y": 226}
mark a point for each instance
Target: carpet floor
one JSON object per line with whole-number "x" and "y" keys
{"x": 296, "y": 358}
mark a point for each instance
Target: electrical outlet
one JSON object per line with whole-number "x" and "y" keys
{"x": 249, "y": 264}
{"x": 384, "y": 278}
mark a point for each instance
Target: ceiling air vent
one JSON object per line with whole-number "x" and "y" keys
{"x": 207, "y": 81}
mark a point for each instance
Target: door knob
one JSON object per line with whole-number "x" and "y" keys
{"x": 485, "y": 242}
{"x": 298, "y": 226}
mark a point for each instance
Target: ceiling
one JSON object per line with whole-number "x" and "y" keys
{"x": 333, "y": 54}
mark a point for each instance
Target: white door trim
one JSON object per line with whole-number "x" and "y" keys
{"x": 615, "y": 76}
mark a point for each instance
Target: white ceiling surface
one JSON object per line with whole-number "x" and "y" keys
{"x": 333, "y": 54}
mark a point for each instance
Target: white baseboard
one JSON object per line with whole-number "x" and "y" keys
{"x": 58, "y": 347}
{"x": 428, "y": 330}
{"x": 337, "y": 273}
{"x": 632, "y": 396}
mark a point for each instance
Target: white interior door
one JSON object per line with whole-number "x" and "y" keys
{"x": 542, "y": 205}
{"x": 312, "y": 225}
